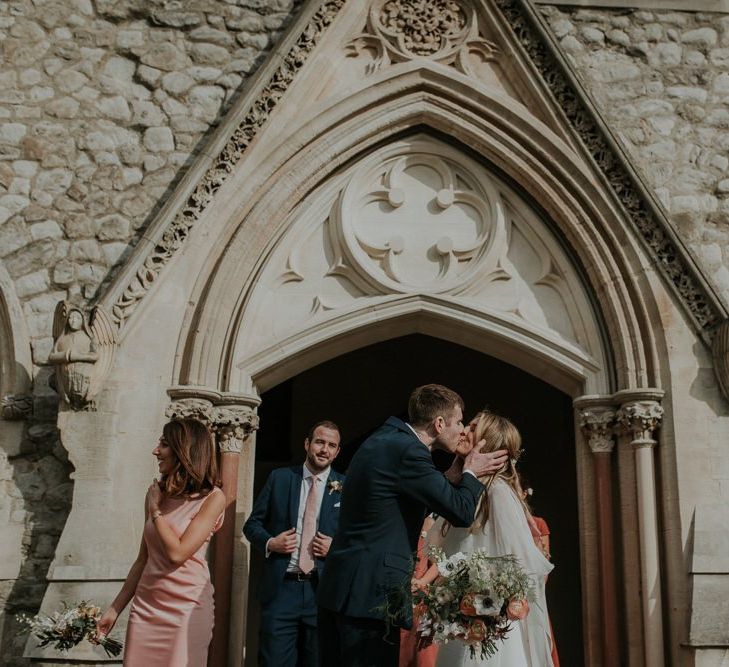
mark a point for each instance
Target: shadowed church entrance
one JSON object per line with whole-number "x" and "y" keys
{"x": 359, "y": 390}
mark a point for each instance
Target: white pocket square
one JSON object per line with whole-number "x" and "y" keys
{"x": 337, "y": 504}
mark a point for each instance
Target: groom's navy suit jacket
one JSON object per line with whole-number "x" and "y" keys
{"x": 391, "y": 485}
{"x": 275, "y": 510}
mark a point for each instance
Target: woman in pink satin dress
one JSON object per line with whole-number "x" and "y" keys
{"x": 171, "y": 619}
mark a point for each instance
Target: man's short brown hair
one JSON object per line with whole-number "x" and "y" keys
{"x": 430, "y": 401}
{"x": 326, "y": 423}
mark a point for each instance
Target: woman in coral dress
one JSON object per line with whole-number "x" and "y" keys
{"x": 412, "y": 654}
{"x": 171, "y": 619}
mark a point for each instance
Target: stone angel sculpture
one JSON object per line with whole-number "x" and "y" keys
{"x": 83, "y": 352}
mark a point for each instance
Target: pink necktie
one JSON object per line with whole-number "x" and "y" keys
{"x": 306, "y": 555}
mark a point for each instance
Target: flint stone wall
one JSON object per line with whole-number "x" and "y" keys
{"x": 661, "y": 81}
{"x": 102, "y": 106}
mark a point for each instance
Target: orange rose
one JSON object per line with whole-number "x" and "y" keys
{"x": 467, "y": 606}
{"x": 517, "y": 610}
{"x": 476, "y": 631}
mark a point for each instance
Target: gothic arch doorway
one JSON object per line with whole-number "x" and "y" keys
{"x": 359, "y": 389}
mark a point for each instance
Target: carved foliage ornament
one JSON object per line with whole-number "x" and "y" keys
{"x": 83, "y": 353}
{"x": 176, "y": 234}
{"x": 598, "y": 425}
{"x": 231, "y": 424}
{"x": 444, "y": 31}
{"x": 721, "y": 357}
{"x": 640, "y": 419}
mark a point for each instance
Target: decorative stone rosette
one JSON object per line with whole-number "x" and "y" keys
{"x": 444, "y": 31}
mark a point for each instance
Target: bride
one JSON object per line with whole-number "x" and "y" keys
{"x": 502, "y": 527}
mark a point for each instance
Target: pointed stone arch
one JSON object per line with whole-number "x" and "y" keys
{"x": 256, "y": 210}
{"x": 511, "y": 143}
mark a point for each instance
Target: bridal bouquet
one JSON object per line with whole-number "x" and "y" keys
{"x": 474, "y": 600}
{"x": 69, "y": 627}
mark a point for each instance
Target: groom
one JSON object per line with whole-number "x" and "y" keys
{"x": 391, "y": 484}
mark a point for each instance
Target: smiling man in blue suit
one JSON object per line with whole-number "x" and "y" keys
{"x": 391, "y": 485}
{"x": 292, "y": 522}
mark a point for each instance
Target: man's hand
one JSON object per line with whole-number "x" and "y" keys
{"x": 320, "y": 545}
{"x": 283, "y": 543}
{"x": 485, "y": 464}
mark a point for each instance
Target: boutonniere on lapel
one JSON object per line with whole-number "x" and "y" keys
{"x": 334, "y": 485}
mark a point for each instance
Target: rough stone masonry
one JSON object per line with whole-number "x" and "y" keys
{"x": 102, "y": 106}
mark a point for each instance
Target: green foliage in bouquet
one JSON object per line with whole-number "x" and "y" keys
{"x": 474, "y": 600}
{"x": 69, "y": 627}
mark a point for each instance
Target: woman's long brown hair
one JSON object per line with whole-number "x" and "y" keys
{"x": 498, "y": 433}
{"x": 196, "y": 467}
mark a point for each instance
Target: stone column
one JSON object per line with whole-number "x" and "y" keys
{"x": 639, "y": 416}
{"x": 233, "y": 424}
{"x": 596, "y": 418}
{"x": 232, "y": 419}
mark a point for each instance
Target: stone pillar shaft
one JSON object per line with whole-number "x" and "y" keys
{"x": 597, "y": 421}
{"x": 639, "y": 419}
{"x": 232, "y": 424}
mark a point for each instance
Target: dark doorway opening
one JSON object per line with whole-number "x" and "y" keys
{"x": 359, "y": 390}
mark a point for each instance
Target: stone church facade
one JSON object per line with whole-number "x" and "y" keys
{"x": 202, "y": 200}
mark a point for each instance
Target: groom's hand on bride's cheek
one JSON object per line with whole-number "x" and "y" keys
{"x": 485, "y": 464}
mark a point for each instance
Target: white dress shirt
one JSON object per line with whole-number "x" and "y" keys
{"x": 320, "y": 487}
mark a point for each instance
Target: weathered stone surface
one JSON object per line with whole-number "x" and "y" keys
{"x": 662, "y": 81}
{"x": 159, "y": 139}
{"x": 166, "y": 57}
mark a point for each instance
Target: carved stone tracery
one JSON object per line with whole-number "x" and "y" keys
{"x": 423, "y": 27}
{"x": 444, "y": 31}
{"x": 416, "y": 221}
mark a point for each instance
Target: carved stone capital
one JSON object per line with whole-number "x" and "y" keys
{"x": 639, "y": 420}
{"x": 191, "y": 408}
{"x": 598, "y": 426}
{"x": 16, "y": 407}
{"x": 232, "y": 425}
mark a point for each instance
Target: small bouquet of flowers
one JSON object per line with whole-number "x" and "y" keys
{"x": 69, "y": 627}
{"x": 474, "y": 600}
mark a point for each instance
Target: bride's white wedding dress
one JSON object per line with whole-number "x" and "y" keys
{"x": 528, "y": 643}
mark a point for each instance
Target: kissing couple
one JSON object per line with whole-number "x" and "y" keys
{"x": 392, "y": 484}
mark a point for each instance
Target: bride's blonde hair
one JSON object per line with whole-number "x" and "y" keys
{"x": 498, "y": 432}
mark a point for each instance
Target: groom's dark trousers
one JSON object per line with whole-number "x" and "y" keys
{"x": 391, "y": 485}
